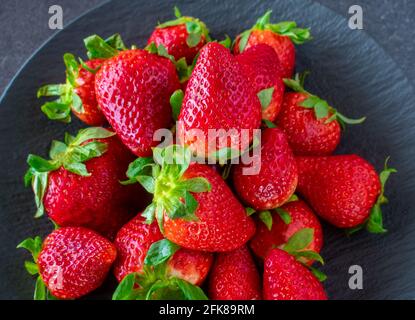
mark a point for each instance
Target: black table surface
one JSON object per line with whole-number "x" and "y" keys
{"x": 24, "y": 28}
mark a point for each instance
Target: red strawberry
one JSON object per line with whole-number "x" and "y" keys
{"x": 276, "y": 180}
{"x": 344, "y": 190}
{"x": 182, "y": 37}
{"x": 218, "y": 96}
{"x": 263, "y": 68}
{"x": 192, "y": 203}
{"x": 312, "y": 126}
{"x": 234, "y": 277}
{"x": 78, "y": 93}
{"x": 133, "y": 90}
{"x": 287, "y": 279}
{"x": 80, "y": 186}
{"x": 281, "y": 37}
{"x": 135, "y": 239}
{"x": 71, "y": 262}
{"x": 286, "y": 221}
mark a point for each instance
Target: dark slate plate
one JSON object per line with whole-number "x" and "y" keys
{"x": 349, "y": 69}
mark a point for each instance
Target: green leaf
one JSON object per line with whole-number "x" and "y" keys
{"x": 263, "y": 21}
{"x": 147, "y": 182}
{"x": 293, "y": 198}
{"x": 148, "y": 213}
{"x": 57, "y": 110}
{"x": 269, "y": 124}
{"x": 40, "y": 290}
{"x": 77, "y": 103}
{"x": 321, "y": 109}
{"x": 56, "y": 149}
{"x": 227, "y": 42}
{"x": 194, "y": 31}
{"x": 125, "y": 289}
{"x": 343, "y": 119}
{"x": 375, "y": 221}
{"x": 265, "y": 97}
{"x": 284, "y": 215}
{"x": 72, "y": 68}
{"x": 31, "y": 267}
{"x": 266, "y": 218}
{"x": 299, "y": 240}
{"x": 191, "y": 205}
{"x": 33, "y": 245}
{"x": 243, "y": 41}
{"x": 283, "y": 26}
{"x": 309, "y": 255}
{"x": 50, "y": 90}
{"x": 99, "y": 48}
{"x": 160, "y": 252}
{"x": 249, "y": 211}
{"x": 190, "y": 291}
{"x": 177, "y": 12}
{"x": 77, "y": 168}
{"x": 198, "y": 184}
{"x": 310, "y": 102}
{"x": 321, "y": 276}
{"x": 294, "y": 85}
{"x": 176, "y": 100}
{"x": 39, "y": 184}
{"x": 91, "y": 133}
{"x": 115, "y": 41}
{"x": 289, "y": 29}
{"x": 41, "y": 165}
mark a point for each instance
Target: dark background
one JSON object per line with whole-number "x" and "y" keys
{"x": 24, "y": 27}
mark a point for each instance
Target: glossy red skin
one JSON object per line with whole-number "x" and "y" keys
{"x": 135, "y": 238}
{"x": 98, "y": 202}
{"x": 222, "y": 223}
{"x": 133, "y": 90}
{"x": 287, "y": 279}
{"x": 341, "y": 189}
{"x": 306, "y": 134}
{"x": 263, "y": 68}
{"x": 301, "y": 217}
{"x": 282, "y": 45}
{"x": 277, "y": 179}
{"x": 174, "y": 40}
{"x": 85, "y": 89}
{"x": 75, "y": 261}
{"x": 190, "y": 265}
{"x": 234, "y": 276}
{"x": 218, "y": 96}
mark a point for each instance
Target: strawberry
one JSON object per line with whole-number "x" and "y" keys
{"x": 277, "y": 178}
{"x": 218, "y": 97}
{"x": 182, "y": 37}
{"x": 71, "y": 262}
{"x": 263, "y": 68}
{"x": 80, "y": 186}
{"x": 78, "y": 93}
{"x": 234, "y": 276}
{"x": 280, "y": 36}
{"x": 133, "y": 90}
{"x": 312, "y": 126}
{"x": 287, "y": 279}
{"x": 345, "y": 190}
{"x": 133, "y": 242}
{"x": 192, "y": 204}
{"x": 285, "y": 222}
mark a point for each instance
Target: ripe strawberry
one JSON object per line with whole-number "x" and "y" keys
{"x": 234, "y": 276}
{"x": 133, "y": 90}
{"x": 218, "y": 96}
{"x": 133, "y": 242}
{"x": 312, "y": 126}
{"x": 286, "y": 221}
{"x": 277, "y": 178}
{"x": 287, "y": 279}
{"x": 280, "y": 36}
{"x": 263, "y": 68}
{"x": 71, "y": 262}
{"x": 78, "y": 93}
{"x": 345, "y": 190}
{"x": 192, "y": 204}
{"x": 182, "y": 37}
{"x": 80, "y": 186}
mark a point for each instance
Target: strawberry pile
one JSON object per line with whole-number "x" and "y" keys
{"x": 168, "y": 225}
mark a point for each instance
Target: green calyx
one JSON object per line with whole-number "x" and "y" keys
{"x": 162, "y": 176}
{"x": 284, "y": 28}
{"x": 98, "y": 48}
{"x": 70, "y": 154}
{"x": 34, "y": 246}
{"x": 68, "y": 99}
{"x": 297, "y": 246}
{"x": 155, "y": 283}
{"x": 374, "y": 224}
{"x": 194, "y": 27}
{"x": 321, "y": 107}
